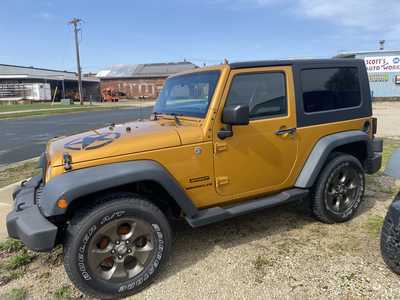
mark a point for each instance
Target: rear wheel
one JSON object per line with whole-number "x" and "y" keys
{"x": 116, "y": 248}
{"x": 339, "y": 189}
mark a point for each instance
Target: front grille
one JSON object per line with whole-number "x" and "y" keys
{"x": 39, "y": 192}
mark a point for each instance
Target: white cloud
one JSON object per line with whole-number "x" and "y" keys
{"x": 45, "y": 16}
{"x": 240, "y": 4}
{"x": 371, "y": 15}
{"x": 365, "y": 16}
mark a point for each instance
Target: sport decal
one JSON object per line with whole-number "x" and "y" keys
{"x": 92, "y": 141}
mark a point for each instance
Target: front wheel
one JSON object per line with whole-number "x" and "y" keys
{"x": 116, "y": 248}
{"x": 339, "y": 190}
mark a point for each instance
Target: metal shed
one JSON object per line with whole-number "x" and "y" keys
{"x": 18, "y": 82}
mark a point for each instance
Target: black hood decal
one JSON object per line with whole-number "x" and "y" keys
{"x": 93, "y": 141}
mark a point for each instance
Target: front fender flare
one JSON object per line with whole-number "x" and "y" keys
{"x": 82, "y": 182}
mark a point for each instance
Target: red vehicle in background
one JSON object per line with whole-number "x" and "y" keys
{"x": 109, "y": 95}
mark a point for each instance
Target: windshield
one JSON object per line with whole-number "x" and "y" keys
{"x": 188, "y": 94}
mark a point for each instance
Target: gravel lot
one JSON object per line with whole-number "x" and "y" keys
{"x": 388, "y": 114}
{"x": 279, "y": 253}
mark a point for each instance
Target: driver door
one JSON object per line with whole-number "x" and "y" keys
{"x": 260, "y": 156}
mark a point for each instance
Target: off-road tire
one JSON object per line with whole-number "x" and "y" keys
{"x": 319, "y": 192}
{"x": 83, "y": 227}
{"x": 390, "y": 244}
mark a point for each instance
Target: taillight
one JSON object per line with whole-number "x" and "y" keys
{"x": 374, "y": 125}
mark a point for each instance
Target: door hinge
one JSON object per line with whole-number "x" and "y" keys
{"x": 222, "y": 180}
{"x": 219, "y": 147}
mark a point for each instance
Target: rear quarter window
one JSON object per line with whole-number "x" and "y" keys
{"x": 327, "y": 89}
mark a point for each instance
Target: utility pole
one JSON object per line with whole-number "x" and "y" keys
{"x": 75, "y": 22}
{"x": 382, "y": 45}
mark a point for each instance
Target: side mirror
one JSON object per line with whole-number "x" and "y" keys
{"x": 233, "y": 115}
{"x": 236, "y": 114}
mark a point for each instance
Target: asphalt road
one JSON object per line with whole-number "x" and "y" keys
{"x": 24, "y": 138}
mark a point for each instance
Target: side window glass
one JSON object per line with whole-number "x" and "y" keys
{"x": 330, "y": 89}
{"x": 264, "y": 93}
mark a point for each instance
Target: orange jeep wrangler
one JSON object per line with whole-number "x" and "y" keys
{"x": 222, "y": 141}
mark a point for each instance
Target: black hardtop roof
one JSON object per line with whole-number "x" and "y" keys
{"x": 297, "y": 62}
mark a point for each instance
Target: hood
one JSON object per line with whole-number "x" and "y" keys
{"x": 120, "y": 140}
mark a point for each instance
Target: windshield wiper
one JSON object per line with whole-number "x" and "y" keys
{"x": 175, "y": 115}
{"x": 156, "y": 114}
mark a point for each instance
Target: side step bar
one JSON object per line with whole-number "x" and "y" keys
{"x": 216, "y": 214}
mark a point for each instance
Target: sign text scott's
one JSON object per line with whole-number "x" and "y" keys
{"x": 382, "y": 64}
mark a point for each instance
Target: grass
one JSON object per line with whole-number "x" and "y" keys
{"x": 261, "y": 262}
{"x": 63, "y": 293}
{"x": 374, "y": 225}
{"x": 53, "y": 258}
{"x": 18, "y": 173}
{"x": 18, "y": 260}
{"x": 11, "y": 266}
{"x": 44, "y": 106}
{"x": 386, "y": 189}
{"x": 11, "y": 246}
{"x": 7, "y": 276}
{"x": 378, "y": 182}
{"x": 389, "y": 145}
{"x": 42, "y": 112}
{"x": 16, "y": 294}
{"x": 22, "y": 107}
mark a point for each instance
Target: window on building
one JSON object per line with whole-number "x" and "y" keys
{"x": 265, "y": 93}
{"x": 330, "y": 89}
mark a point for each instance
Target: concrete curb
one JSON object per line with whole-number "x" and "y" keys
{"x": 10, "y": 186}
{"x": 5, "y": 207}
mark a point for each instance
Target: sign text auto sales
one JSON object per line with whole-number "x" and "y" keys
{"x": 382, "y": 64}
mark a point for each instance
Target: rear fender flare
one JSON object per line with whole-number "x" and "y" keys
{"x": 321, "y": 151}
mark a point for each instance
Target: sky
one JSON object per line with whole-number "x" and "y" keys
{"x": 37, "y": 33}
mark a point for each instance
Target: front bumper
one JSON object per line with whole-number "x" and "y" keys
{"x": 374, "y": 159}
{"x": 26, "y": 222}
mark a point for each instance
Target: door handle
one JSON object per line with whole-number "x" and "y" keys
{"x": 285, "y": 131}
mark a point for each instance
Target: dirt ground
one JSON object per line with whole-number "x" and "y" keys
{"x": 277, "y": 253}
{"x": 281, "y": 253}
